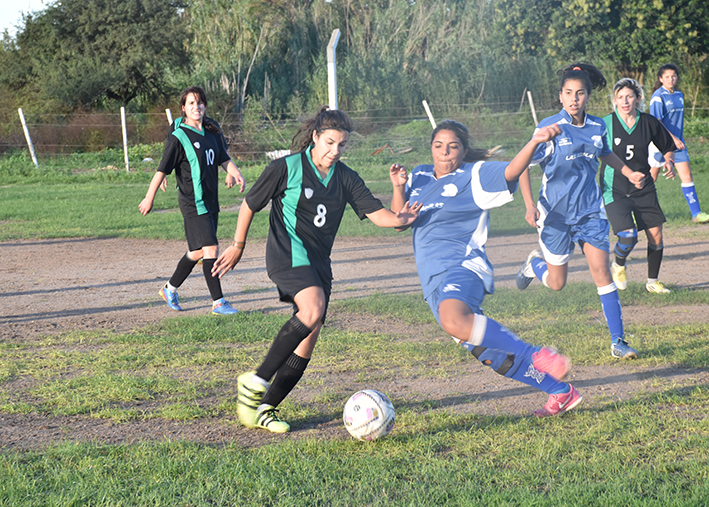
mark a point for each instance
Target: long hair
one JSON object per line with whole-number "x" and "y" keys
{"x": 207, "y": 123}
{"x": 633, "y": 85}
{"x": 461, "y": 132}
{"x": 661, "y": 71}
{"x": 324, "y": 119}
{"x": 591, "y": 77}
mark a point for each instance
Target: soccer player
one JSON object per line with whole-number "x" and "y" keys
{"x": 638, "y": 139}
{"x": 449, "y": 237}
{"x": 194, "y": 150}
{"x": 570, "y": 207}
{"x": 667, "y": 105}
{"x": 308, "y": 192}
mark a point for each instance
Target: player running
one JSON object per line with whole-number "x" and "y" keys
{"x": 638, "y": 139}
{"x": 667, "y": 105}
{"x": 570, "y": 207}
{"x": 194, "y": 150}
{"x": 449, "y": 237}
{"x": 308, "y": 192}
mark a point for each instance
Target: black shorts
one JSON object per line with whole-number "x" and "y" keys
{"x": 201, "y": 231}
{"x": 291, "y": 281}
{"x": 644, "y": 207}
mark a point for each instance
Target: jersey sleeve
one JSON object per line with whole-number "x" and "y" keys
{"x": 661, "y": 136}
{"x": 605, "y": 148}
{"x": 358, "y": 195}
{"x": 657, "y": 107}
{"x": 272, "y": 182}
{"x": 223, "y": 149}
{"x": 171, "y": 155}
{"x": 489, "y": 186}
{"x": 543, "y": 151}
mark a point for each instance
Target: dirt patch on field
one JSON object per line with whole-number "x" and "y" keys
{"x": 51, "y": 286}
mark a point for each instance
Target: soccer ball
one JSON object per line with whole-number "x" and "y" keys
{"x": 368, "y": 415}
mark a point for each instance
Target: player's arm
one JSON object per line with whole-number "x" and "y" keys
{"x": 232, "y": 255}
{"x": 521, "y": 161}
{"x": 397, "y": 174}
{"x": 402, "y": 218}
{"x": 233, "y": 176}
{"x": 147, "y": 203}
{"x": 636, "y": 178}
{"x": 525, "y": 187}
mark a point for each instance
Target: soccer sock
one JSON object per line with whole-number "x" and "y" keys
{"x": 182, "y": 271}
{"x": 690, "y": 194}
{"x": 490, "y": 334}
{"x": 213, "y": 283}
{"x": 287, "y": 340}
{"x": 654, "y": 259}
{"x": 540, "y": 380}
{"x": 540, "y": 269}
{"x": 626, "y": 243}
{"x": 286, "y": 379}
{"x": 612, "y": 310}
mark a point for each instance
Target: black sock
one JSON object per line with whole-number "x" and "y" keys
{"x": 182, "y": 271}
{"x": 654, "y": 259}
{"x": 287, "y": 340}
{"x": 213, "y": 283}
{"x": 287, "y": 377}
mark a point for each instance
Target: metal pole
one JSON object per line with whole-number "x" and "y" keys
{"x": 332, "y": 68}
{"x": 531, "y": 106}
{"x": 27, "y": 136}
{"x": 169, "y": 116}
{"x": 430, "y": 116}
{"x": 125, "y": 137}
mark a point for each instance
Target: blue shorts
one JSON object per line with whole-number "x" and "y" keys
{"x": 557, "y": 238}
{"x": 457, "y": 283}
{"x": 681, "y": 155}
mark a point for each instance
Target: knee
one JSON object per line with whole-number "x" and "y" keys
{"x": 455, "y": 324}
{"x": 555, "y": 283}
{"x": 311, "y": 315}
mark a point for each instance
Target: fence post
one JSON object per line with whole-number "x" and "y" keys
{"x": 531, "y": 106}
{"x": 168, "y": 113}
{"x": 125, "y": 137}
{"x": 27, "y": 136}
{"x": 332, "y": 68}
{"x": 430, "y": 116}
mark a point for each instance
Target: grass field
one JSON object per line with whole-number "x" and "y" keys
{"x": 649, "y": 450}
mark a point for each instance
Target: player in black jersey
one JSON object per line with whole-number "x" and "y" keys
{"x": 308, "y": 192}
{"x": 194, "y": 149}
{"x": 645, "y": 146}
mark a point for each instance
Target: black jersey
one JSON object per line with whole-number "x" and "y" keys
{"x": 639, "y": 147}
{"x": 195, "y": 157}
{"x": 306, "y": 210}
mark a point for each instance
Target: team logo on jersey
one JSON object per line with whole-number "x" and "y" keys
{"x": 449, "y": 190}
{"x": 415, "y": 192}
{"x": 196, "y": 145}
{"x": 597, "y": 141}
{"x": 616, "y": 140}
{"x": 565, "y": 141}
{"x": 451, "y": 287}
{"x": 308, "y": 193}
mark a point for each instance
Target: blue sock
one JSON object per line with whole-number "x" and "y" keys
{"x": 490, "y": 334}
{"x": 529, "y": 375}
{"x": 540, "y": 267}
{"x": 612, "y": 310}
{"x": 690, "y": 194}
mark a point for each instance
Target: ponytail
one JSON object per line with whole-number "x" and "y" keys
{"x": 461, "y": 132}
{"x": 324, "y": 119}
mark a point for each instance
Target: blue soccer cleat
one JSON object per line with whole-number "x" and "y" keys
{"x": 171, "y": 298}
{"x": 621, "y": 350}
{"x": 222, "y": 307}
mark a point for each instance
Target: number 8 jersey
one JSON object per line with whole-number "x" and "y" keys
{"x": 306, "y": 210}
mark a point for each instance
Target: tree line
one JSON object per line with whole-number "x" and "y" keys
{"x": 97, "y": 54}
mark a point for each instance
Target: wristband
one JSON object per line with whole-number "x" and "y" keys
{"x": 238, "y": 244}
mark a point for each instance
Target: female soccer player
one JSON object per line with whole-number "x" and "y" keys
{"x": 449, "y": 246}
{"x": 308, "y": 192}
{"x": 570, "y": 208}
{"x": 194, "y": 150}
{"x": 637, "y": 138}
{"x": 667, "y": 105}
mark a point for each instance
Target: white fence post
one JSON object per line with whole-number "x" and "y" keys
{"x": 168, "y": 113}
{"x": 125, "y": 137}
{"x": 531, "y": 106}
{"x": 430, "y": 116}
{"x": 27, "y": 136}
{"x": 332, "y": 68}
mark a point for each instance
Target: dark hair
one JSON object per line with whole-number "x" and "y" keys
{"x": 207, "y": 123}
{"x": 588, "y": 74}
{"x": 461, "y": 132}
{"x": 324, "y": 119}
{"x": 661, "y": 71}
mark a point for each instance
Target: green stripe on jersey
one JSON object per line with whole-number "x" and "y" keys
{"x": 609, "y": 172}
{"x": 299, "y": 255}
{"x": 195, "y": 170}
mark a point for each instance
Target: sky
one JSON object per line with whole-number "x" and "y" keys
{"x": 11, "y": 12}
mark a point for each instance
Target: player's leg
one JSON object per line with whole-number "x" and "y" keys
{"x": 620, "y": 215}
{"x": 549, "y": 264}
{"x": 207, "y": 237}
{"x": 650, "y": 218}
{"x": 684, "y": 171}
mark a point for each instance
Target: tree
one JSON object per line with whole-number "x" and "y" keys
{"x": 85, "y": 52}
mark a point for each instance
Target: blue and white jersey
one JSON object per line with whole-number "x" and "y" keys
{"x": 569, "y": 190}
{"x": 451, "y": 229}
{"x": 669, "y": 109}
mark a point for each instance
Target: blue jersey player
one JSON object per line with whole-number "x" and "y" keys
{"x": 667, "y": 105}
{"x": 449, "y": 235}
{"x": 570, "y": 207}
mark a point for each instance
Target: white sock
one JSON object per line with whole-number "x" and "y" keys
{"x": 171, "y": 288}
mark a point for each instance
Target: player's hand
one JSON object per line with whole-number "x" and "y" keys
{"x": 226, "y": 261}
{"x": 531, "y": 216}
{"x": 145, "y": 206}
{"x": 668, "y": 170}
{"x": 398, "y": 176}
{"x": 546, "y": 134}
{"x": 678, "y": 143}
{"x": 409, "y": 213}
{"x": 163, "y": 185}
{"x": 636, "y": 179}
{"x": 229, "y": 181}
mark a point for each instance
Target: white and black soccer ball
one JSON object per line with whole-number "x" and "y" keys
{"x": 368, "y": 415}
